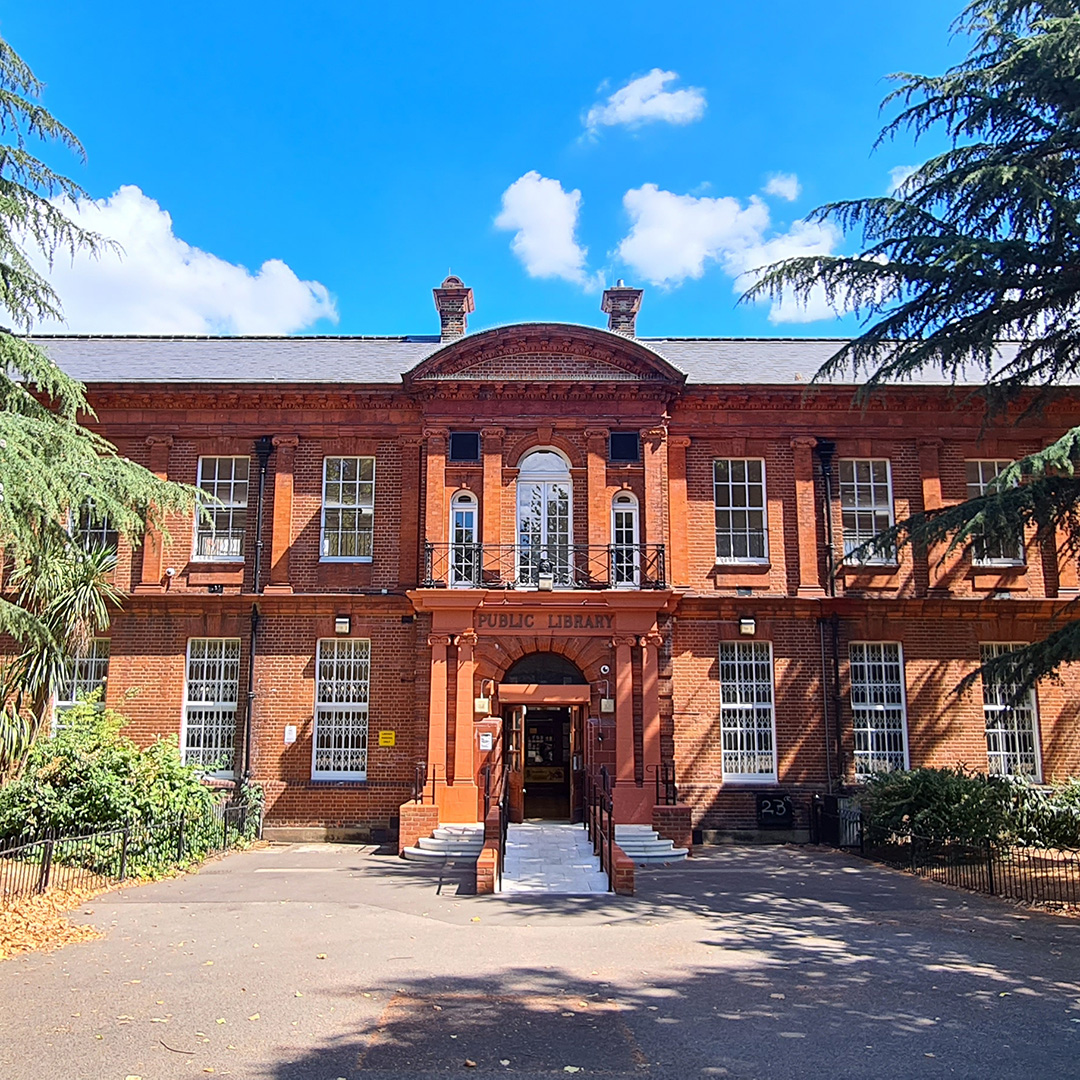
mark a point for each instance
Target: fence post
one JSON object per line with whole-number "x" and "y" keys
{"x": 124, "y": 851}
{"x": 989, "y": 866}
{"x": 46, "y": 865}
{"x": 225, "y": 830}
{"x": 180, "y": 840}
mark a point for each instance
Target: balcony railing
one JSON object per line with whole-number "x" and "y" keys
{"x": 567, "y": 566}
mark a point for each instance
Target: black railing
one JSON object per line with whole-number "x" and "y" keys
{"x": 1034, "y": 875}
{"x": 664, "y": 777}
{"x": 600, "y": 821}
{"x": 141, "y": 849}
{"x": 523, "y": 566}
{"x": 421, "y": 779}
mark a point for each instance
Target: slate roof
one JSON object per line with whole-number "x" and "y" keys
{"x": 382, "y": 360}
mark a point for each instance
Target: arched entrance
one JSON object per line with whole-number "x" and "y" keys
{"x": 544, "y": 737}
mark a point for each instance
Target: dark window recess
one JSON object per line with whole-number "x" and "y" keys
{"x": 624, "y": 446}
{"x": 464, "y": 446}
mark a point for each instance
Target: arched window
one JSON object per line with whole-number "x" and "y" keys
{"x": 625, "y": 549}
{"x": 544, "y": 519}
{"x": 464, "y": 550}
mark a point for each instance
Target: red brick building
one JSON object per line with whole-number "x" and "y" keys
{"x": 560, "y": 547}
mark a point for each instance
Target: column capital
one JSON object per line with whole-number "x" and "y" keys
{"x": 435, "y": 435}
{"x": 596, "y": 433}
{"x": 435, "y": 640}
{"x": 623, "y": 641}
{"x": 493, "y": 434}
{"x": 286, "y": 440}
{"x": 654, "y": 434}
{"x": 929, "y": 444}
{"x": 679, "y": 441}
{"x": 803, "y": 442}
{"x": 470, "y": 639}
{"x": 412, "y": 440}
{"x": 159, "y": 440}
{"x": 653, "y": 638}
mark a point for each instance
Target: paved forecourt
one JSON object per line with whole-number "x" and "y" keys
{"x": 311, "y": 962}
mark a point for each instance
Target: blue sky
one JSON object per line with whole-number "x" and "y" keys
{"x": 362, "y": 150}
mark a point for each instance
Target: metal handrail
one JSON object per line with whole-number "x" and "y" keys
{"x": 556, "y": 566}
{"x": 667, "y": 793}
{"x": 421, "y": 778}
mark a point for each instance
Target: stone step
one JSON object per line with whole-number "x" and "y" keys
{"x": 468, "y": 833}
{"x": 658, "y": 858}
{"x": 627, "y": 830}
{"x": 452, "y": 846}
{"x": 463, "y": 826}
{"x": 644, "y": 845}
{"x": 419, "y": 854}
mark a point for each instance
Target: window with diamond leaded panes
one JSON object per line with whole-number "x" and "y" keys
{"x": 878, "y": 709}
{"x": 1012, "y": 742}
{"x": 999, "y": 551}
{"x": 866, "y": 505}
{"x": 348, "y": 511}
{"x": 219, "y": 526}
{"x": 84, "y": 674}
{"x": 340, "y": 743}
{"x": 210, "y": 695}
{"x": 747, "y": 727}
{"x": 742, "y": 533}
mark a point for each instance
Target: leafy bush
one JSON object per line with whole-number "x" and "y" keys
{"x": 90, "y": 776}
{"x": 959, "y": 804}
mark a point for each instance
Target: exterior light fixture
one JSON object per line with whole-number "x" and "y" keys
{"x": 545, "y": 578}
{"x": 342, "y": 624}
{"x": 482, "y": 704}
{"x": 747, "y": 625}
{"x": 607, "y": 702}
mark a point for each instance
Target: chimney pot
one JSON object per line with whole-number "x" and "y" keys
{"x": 454, "y": 302}
{"x": 622, "y": 305}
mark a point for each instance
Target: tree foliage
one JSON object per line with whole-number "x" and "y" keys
{"x": 53, "y": 469}
{"x": 972, "y": 267}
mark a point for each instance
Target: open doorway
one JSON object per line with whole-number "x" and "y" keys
{"x": 547, "y": 763}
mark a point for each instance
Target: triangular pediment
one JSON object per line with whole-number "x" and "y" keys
{"x": 545, "y": 353}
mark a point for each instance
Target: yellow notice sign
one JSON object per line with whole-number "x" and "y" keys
{"x": 387, "y": 738}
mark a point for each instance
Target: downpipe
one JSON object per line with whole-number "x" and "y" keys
{"x": 264, "y": 447}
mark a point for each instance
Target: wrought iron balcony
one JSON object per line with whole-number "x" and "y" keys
{"x": 523, "y": 566}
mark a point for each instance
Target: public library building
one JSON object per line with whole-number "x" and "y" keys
{"x": 557, "y": 548}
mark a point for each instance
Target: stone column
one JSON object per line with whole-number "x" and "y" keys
{"x": 281, "y": 527}
{"x": 464, "y": 750}
{"x": 678, "y": 561}
{"x": 599, "y": 508}
{"x": 806, "y": 503}
{"x": 437, "y": 708}
{"x": 150, "y": 579}
{"x": 409, "y": 523}
{"x": 624, "y": 710}
{"x": 654, "y": 446}
{"x": 491, "y": 532}
{"x": 650, "y": 700}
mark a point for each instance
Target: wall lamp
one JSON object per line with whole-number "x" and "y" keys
{"x": 607, "y": 702}
{"x": 747, "y": 625}
{"x": 482, "y": 704}
{"x": 342, "y": 624}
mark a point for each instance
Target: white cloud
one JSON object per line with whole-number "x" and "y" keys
{"x": 158, "y": 284}
{"x": 784, "y": 185}
{"x": 898, "y": 175}
{"x": 644, "y": 100}
{"x": 674, "y": 237}
{"x": 544, "y": 219}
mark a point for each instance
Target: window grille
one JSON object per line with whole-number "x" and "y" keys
{"x": 219, "y": 526}
{"x": 96, "y": 530}
{"x": 866, "y": 506}
{"x": 83, "y": 675}
{"x": 213, "y": 682}
{"x": 747, "y": 729}
{"x": 343, "y": 668}
{"x": 741, "y": 524}
{"x": 348, "y": 521}
{"x": 1011, "y": 739}
{"x": 1002, "y": 550}
{"x": 878, "y": 709}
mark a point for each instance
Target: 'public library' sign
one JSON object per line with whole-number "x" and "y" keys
{"x": 547, "y": 622}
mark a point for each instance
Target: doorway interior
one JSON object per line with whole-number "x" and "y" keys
{"x": 546, "y": 762}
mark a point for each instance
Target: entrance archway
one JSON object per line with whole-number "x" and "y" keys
{"x": 545, "y": 740}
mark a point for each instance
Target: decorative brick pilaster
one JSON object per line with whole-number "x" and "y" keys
{"x": 464, "y": 736}
{"x": 281, "y": 531}
{"x": 624, "y": 710}
{"x": 678, "y": 561}
{"x": 409, "y": 523}
{"x": 650, "y": 700}
{"x": 150, "y": 579}
{"x": 806, "y": 504}
{"x": 492, "y": 452}
{"x": 654, "y": 445}
{"x": 435, "y": 504}
{"x": 599, "y": 510}
{"x": 437, "y": 718}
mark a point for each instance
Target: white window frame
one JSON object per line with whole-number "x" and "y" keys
{"x": 872, "y": 508}
{"x": 94, "y": 531}
{"x": 626, "y": 557}
{"x": 994, "y": 711}
{"x": 359, "y": 710}
{"x": 221, "y": 706}
{"x": 358, "y": 506}
{"x": 979, "y": 488}
{"x": 84, "y": 673}
{"x": 464, "y": 561}
{"x": 871, "y": 709}
{"x": 527, "y": 553}
{"x": 751, "y": 560}
{"x": 228, "y": 505}
{"x": 747, "y": 652}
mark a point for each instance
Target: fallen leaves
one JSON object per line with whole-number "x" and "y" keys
{"x": 40, "y": 922}
{"x": 320, "y": 956}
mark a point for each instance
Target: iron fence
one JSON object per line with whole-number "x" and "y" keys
{"x": 600, "y": 821}
{"x": 30, "y": 866}
{"x": 1034, "y": 875}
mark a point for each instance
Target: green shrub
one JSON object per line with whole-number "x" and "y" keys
{"x": 90, "y": 776}
{"x": 958, "y": 804}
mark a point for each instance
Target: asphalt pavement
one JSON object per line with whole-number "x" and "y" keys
{"x": 313, "y": 962}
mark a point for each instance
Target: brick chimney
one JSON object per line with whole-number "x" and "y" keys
{"x": 622, "y": 305}
{"x": 454, "y": 301}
